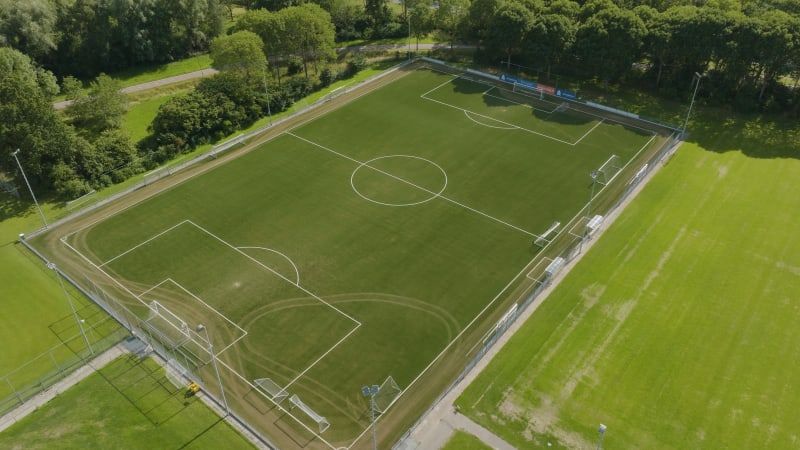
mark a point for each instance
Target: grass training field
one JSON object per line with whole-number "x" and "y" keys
{"x": 678, "y": 329}
{"x": 362, "y": 244}
{"x": 127, "y": 404}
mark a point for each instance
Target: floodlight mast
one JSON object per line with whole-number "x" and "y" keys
{"x": 38, "y": 208}
{"x": 602, "y": 431}
{"x": 691, "y": 103}
{"x": 201, "y": 327}
{"x": 53, "y": 267}
{"x": 371, "y": 391}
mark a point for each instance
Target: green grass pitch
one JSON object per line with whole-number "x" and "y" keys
{"x": 127, "y": 404}
{"x": 677, "y": 330}
{"x": 356, "y": 246}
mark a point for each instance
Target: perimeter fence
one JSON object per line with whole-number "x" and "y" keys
{"x": 567, "y": 245}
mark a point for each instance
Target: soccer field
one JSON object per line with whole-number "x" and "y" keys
{"x": 358, "y": 248}
{"x": 677, "y": 330}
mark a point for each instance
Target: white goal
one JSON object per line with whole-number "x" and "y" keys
{"x": 609, "y": 170}
{"x": 274, "y": 390}
{"x": 321, "y": 421}
{"x": 387, "y": 394}
{"x": 171, "y": 330}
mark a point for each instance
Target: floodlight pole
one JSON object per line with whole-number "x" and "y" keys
{"x": 38, "y": 208}
{"x": 201, "y": 327}
{"x": 691, "y": 103}
{"x": 371, "y": 391}
{"x": 53, "y": 267}
{"x": 602, "y": 431}
{"x": 266, "y": 90}
{"x": 408, "y": 17}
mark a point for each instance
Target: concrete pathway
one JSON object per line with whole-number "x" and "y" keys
{"x": 70, "y": 380}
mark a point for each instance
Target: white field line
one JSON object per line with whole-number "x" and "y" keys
{"x": 522, "y": 104}
{"x": 466, "y": 113}
{"x": 286, "y": 411}
{"x": 306, "y": 291}
{"x": 314, "y": 363}
{"x": 199, "y": 300}
{"x": 525, "y": 270}
{"x": 414, "y": 185}
{"x": 590, "y": 130}
{"x": 296, "y": 271}
{"x": 497, "y": 120}
{"x": 155, "y": 236}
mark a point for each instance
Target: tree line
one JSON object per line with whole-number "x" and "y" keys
{"x": 279, "y": 50}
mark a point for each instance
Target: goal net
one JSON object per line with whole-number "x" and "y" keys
{"x": 388, "y": 392}
{"x": 321, "y": 421}
{"x": 157, "y": 174}
{"x": 274, "y": 390}
{"x": 609, "y": 170}
{"x": 170, "y": 329}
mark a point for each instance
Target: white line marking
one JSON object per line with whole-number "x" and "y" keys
{"x": 414, "y": 185}
{"x": 156, "y": 236}
{"x": 306, "y": 291}
{"x": 296, "y": 271}
{"x": 467, "y": 113}
{"x": 590, "y": 130}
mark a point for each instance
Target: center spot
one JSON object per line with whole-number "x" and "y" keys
{"x": 398, "y": 180}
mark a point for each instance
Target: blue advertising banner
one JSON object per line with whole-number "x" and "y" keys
{"x": 512, "y": 79}
{"x": 569, "y": 95}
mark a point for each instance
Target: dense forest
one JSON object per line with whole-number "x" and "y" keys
{"x": 276, "y": 51}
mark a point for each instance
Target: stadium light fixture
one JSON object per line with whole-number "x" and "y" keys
{"x": 14, "y": 154}
{"x": 200, "y": 327}
{"x": 371, "y": 391}
{"x": 53, "y": 267}
{"x": 601, "y": 431}
{"x": 691, "y": 103}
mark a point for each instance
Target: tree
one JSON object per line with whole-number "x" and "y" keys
{"x": 509, "y": 28}
{"x": 103, "y": 108}
{"x": 271, "y": 28}
{"x": 421, "y": 17}
{"x": 28, "y": 26}
{"x": 551, "y": 38}
{"x": 30, "y": 123}
{"x": 241, "y": 52}
{"x": 450, "y": 15}
{"x": 309, "y": 33}
{"x": 378, "y": 13}
{"x": 610, "y": 40}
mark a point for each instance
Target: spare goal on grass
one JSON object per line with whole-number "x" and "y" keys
{"x": 609, "y": 170}
{"x": 274, "y": 390}
{"x": 321, "y": 421}
{"x": 545, "y": 238}
{"x": 387, "y": 394}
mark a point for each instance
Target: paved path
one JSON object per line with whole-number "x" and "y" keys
{"x": 72, "y": 379}
{"x": 211, "y": 71}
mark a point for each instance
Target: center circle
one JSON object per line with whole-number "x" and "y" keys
{"x": 398, "y": 180}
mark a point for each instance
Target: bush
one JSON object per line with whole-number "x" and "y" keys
{"x": 326, "y": 77}
{"x": 294, "y": 65}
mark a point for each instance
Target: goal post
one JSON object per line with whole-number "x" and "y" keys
{"x": 321, "y": 421}
{"x": 387, "y": 394}
{"x": 276, "y": 393}
{"x": 171, "y": 329}
{"x": 609, "y": 170}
